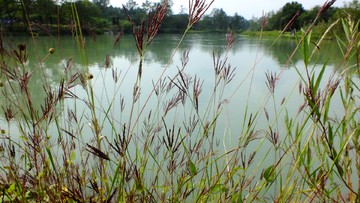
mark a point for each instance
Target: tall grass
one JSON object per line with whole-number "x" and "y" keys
{"x": 148, "y": 158}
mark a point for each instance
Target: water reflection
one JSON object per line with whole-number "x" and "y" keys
{"x": 201, "y": 46}
{"x": 164, "y": 45}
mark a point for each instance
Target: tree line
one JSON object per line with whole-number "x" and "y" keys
{"x": 277, "y": 20}
{"x": 100, "y": 14}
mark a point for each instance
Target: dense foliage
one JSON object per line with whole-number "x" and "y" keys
{"x": 16, "y": 14}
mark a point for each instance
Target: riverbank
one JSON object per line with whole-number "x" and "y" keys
{"x": 276, "y": 33}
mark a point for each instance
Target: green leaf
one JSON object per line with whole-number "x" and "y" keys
{"x": 339, "y": 168}
{"x": 237, "y": 196}
{"x": 237, "y": 168}
{"x": 269, "y": 174}
{"x": 327, "y": 106}
{"x": 105, "y": 181}
{"x": 138, "y": 185}
{"x": 313, "y": 106}
{"x": 192, "y": 168}
{"x": 12, "y": 188}
{"x": 216, "y": 189}
{"x": 312, "y": 85}
{"x": 318, "y": 79}
{"x": 330, "y": 135}
{"x": 224, "y": 189}
{"x": 23, "y": 138}
{"x": 305, "y": 49}
{"x": 346, "y": 29}
{"x": 297, "y": 133}
{"x": 72, "y": 156}
{"x": 51, "y": 160}
{"x": 308, "y": 156}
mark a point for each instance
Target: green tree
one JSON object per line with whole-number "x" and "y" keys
{"x": 254, "y": 24}
{"x": 25, "y": 9}
{"x": 274, "y": 21}
{"x": 238, "y": 22}
{"x": 44, "y": 11}
{"x": 353, "y": 9}
{"x": 221, "y": 20}
{"x": 175, "y": 23}
{"x": 309, "y": 16}
{"x": 125, "y": 25}
{"x": 8, "y": 9}
{"x": 206, "y": 23}
{"x": 111, "y": 12}
{"x": 83, "y": 8}
{"x": 288, "y": 11}
{"x": 101, "y": 3}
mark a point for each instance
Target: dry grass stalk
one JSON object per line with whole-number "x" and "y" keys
{"x": 290, "y": 22}
{"x": 42, "y": 28}
{"x": 71, "y": 26}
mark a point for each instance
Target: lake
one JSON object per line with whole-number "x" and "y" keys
{"x": 124, "y": 58}
{"x": 242, "y": 99}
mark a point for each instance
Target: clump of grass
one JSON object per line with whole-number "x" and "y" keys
{"x": 162, "y": 161}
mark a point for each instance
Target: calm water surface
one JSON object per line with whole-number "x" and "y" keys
{"x": 125, "y": 60}
{"x": 246, "y": 52}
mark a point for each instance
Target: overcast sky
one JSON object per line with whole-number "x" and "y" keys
{"x": 246, "y": 8}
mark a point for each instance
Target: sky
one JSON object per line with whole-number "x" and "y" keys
{"x": 245, "y": 8}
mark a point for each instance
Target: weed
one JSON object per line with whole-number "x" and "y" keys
{"x": 149, "y": 158}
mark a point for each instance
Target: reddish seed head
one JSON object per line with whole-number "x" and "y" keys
{"x": 325, "y": 7}
{"x": 42, "y": 28}
{"x": 264, "y": 20}
{"x": 230, "y": 40}
{"x": 154, "y": 26}
{"x": 197, "y": 8}
{"x": 118, "y": 37}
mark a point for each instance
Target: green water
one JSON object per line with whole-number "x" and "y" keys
{"x": 124, "y": 59}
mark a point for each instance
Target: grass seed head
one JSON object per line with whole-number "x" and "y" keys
{"x": 197, "y": 8}
{"x": 118, "y": 37}
{"x": 21, "y": 47}
{"x": 42, "y": 28}
{"x": 264, "y": 20}
{"x": 51, "y": 50}
{"x": 325, "y": 7}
